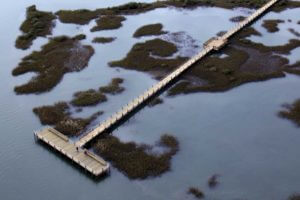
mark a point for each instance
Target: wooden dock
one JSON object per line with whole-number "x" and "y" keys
{"x": 213, "y": 44}
{"x": 84, "y": 158}
{"x": 94, "y": 164}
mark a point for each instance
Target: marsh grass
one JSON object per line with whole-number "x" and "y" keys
{"x": 88, "y": 98}
{"x": 59, "y": 56}
{"x": 137, "y": 161}
{"x": 291, "y": 112}
{"x": 36, "y": 24}
{"x": 148, "y": 30}
{"x": 59, "y": 116}
{"x": 196, "y": 192}
{"x": 108, "y": 22}
{"x": 103, "y": 40}
{"x": 140, "y": 57}
{"x": 113, "y": 87}
{"x": 272, "y": 25}
{"x": 84, "y": 16}
{"x": 81, "y": 17}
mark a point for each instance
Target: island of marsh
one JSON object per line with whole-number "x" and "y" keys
{"x": 59, "y": 56}
{"x": 36, "y": 24}
{"x": 138, "y": 161}
{"x": 148, "y": 30}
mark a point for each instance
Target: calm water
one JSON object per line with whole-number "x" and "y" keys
{"x": 235, "y": 134}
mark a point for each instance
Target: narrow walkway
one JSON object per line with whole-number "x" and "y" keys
{"x": 213, "y": 44}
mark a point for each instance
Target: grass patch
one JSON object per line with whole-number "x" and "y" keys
{"x": 108, "y": 22}
{"x": 113, "y": 87}
{"x": 82, "y": 16}
{"x": 196, "y": 192}
{"x": 291, "y": 112}
{"x": 88, "y": 98}
{"x": 140, "y": 57}
{"x": 79, "y": 37}
{"x": 59, "y": 56}
{"x": 59, "y": 116}
{"x": 272, "y": 25}
{"x": 103, "y": 40}
{"x": 151, "y": 29}
{"x": 137, "y": 161}
{"x": 36, "y": 24}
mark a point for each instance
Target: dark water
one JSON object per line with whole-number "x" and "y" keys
{"x": 235, "y": 134}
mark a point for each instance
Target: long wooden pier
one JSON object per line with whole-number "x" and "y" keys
{"x": 213, "y": 44}
{"x": 96, "y": 165}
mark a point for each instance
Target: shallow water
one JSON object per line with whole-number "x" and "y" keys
{"x": 235, "y": 134}
{"x": 283, "y": 35}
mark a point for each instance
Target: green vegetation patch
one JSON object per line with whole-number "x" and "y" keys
{"x": 88, "y": 98}
{"x": 141, "y": 57}
{"x": 196, "y": 192}
{"x": 151, "y": 29}
{"x": 272, "y": 25}
{"x": 103, "y": 40}
{"x": 113, "y": 87}
{"x": 59, "y": 56}
{"x": 137, "y": 161}
{"x": 82, "y": 16}
{"x": 59, "y": 116}
{"x": 36, "y": 24}
{"x": 291, "y": 112}
{"x": 108, "y": 22}
{"x": 242, "y": 65}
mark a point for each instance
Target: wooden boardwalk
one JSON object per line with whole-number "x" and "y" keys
{"x": 94, "y": 164}
{"x": 211, "y": 45}
{"x": 84, "y": 158}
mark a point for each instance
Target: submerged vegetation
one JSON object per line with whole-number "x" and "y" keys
{"x": 237, "y": 18}
{"x": 213, "y": 181}
{"x": 291, "y": 112}
{"x": 155, "y": 102}
{"x": 108, "y": 22}
{"x": 36, "y": 24}
{"x": 103, "y": 40}
{"x": 113, "y": 87}
{"x": 59, "y": 116}
{"x": 151, "y": 29}
{"x": 272, "y": 25}
{"x": 196, "y": 192}
{"x": 59, "y": 56}
{"x": 137, "y": 161}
